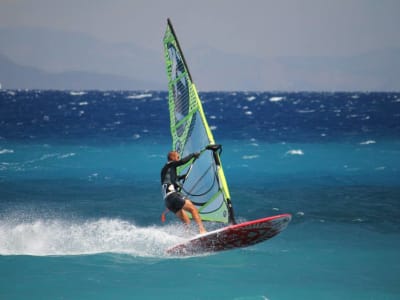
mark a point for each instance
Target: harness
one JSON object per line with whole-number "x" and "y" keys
{"x": 167, "y": 189}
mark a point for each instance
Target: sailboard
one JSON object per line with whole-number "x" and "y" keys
{"x": 233, "y": 236}
{"x": 205, "y": 183}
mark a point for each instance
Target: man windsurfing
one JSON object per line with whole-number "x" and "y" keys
{"x": 175, "y": 201}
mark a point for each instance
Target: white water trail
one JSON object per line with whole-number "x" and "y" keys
{"x": 42, "y": 237}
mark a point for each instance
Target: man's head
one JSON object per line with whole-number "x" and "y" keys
{"x": 173, "y": 156}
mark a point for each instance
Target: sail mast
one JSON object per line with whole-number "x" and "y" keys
{"x": 179, "y": 48}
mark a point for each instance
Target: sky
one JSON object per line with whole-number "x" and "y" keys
{"x": 261, "y": 28}
{"x": 257, "y": 28}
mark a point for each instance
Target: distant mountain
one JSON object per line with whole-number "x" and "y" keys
{"x": 14, "y": 76}
{"x": 373, "y": 71}
{"x": 42, "y": 58}
{"x": 58, "y": 56}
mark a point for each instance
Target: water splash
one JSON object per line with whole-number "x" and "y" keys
{"x": 43, "y": 237}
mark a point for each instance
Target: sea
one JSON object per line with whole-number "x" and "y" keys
{"x": 80, "y": 199}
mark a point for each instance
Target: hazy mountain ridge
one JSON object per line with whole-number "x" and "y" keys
{"x": 14, "y": 76}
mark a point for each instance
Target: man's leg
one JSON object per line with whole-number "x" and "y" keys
{"x": 183, "y": 216}
{"x": 189, "y": 207}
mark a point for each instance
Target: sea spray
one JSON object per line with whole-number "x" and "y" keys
{"x": 43, "y": 237}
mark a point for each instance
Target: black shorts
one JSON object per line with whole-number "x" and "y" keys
{"x": 175, "y": 202}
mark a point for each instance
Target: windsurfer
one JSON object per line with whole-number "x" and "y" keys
{"x": 174, "y": 200}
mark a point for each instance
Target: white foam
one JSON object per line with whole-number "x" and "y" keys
{"x": 359, "y": 220}
{"x": 254, "y": 142}
{"x": 72, "y": 93}
{"x": 66, "y": 155}
{"x": 42, "y": 237}
{"x": 352, "y": 116}
{"x": 305, "y": 111}
{"x": 6, "y": 151}
{"x": 213, "y": 127}
{"x": 251, "y": 98}
{"x": 53, "y": 155}
{"x": 250, "y": 156}
{"x": 140, "y": 96}
{"x": 276, "y": 99}
{"x": 295, "y": 152}
{"x": 368, "y": 142}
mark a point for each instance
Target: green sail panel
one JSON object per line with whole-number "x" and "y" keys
{"x": 205, "y": 184}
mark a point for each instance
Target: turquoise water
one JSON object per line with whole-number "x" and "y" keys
{"x": 80, "y": 200}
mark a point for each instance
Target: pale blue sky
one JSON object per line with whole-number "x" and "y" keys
{"x": 256, "y": 27}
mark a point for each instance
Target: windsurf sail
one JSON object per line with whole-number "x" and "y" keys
{"x": 205, "y": 183}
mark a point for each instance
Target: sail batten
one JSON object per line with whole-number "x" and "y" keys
{"x": 205, "y": 184}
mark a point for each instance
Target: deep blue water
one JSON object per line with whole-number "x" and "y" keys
{"x": 80, "y": 201}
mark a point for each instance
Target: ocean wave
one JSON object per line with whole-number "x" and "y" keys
{"x": 247, "y": 157}
{"x": 35, "y": 163}
{"x": 276, "y": 99}
{"x": 140, "y": 96}
{"x": 72, "y": 93}
{"x": 66, "y": 155}
{"x": 382, "y": 168}
{"x": 369, "y": 142}
{"x": 213, "y": 127}
{"x": 54, "y": 155}
{"x": 42, "y": 237}
{"x": 6, "y": 151}
{"x": 305, "y": 111}
{"x": 295, "y": 152}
